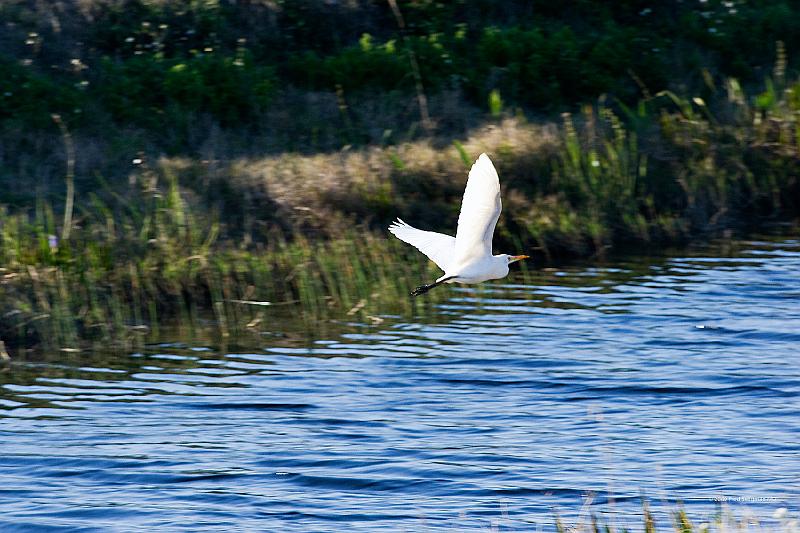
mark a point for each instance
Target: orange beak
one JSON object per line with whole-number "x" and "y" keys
{"x": 516, "y": 258}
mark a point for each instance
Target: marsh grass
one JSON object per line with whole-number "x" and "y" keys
{"x": 724, "y": 520}
{"x": 151, "y": 259}
{"x": 594, "y": 517}
{"x": 221, "y": 244}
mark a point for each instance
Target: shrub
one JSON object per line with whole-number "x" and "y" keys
{"x": 232, "y": 90}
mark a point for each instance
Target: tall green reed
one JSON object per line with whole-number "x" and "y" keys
{"x": 136, "y": 262}
{"x": 599, "y": 170}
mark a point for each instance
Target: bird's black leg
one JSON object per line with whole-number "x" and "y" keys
{"x": 422, "y": 289}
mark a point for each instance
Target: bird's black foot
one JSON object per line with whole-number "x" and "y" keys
{"x": 422, "y": 289}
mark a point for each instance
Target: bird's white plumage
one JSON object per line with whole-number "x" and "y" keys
{"x": 437, "y": 246}
{"x": 480, "y": 209}
{"x": 467, "y": 258}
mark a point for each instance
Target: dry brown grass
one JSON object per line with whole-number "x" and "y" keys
{"x": 319, "y": 191}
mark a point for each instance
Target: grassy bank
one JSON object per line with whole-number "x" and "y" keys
{"x": 223, "y": 243}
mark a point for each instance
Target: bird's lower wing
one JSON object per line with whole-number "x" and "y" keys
{"x": 437, "y": 246}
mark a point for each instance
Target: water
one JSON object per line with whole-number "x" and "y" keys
{"x": 676, "y": 378}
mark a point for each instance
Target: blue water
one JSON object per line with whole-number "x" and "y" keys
{"x": 576, "y": 392}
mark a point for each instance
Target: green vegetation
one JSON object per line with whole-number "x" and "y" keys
{"x": 341, "y": 71}
{"x": 219, "y": 154}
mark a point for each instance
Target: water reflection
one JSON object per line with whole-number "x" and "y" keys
{"x": 676, "y": 377}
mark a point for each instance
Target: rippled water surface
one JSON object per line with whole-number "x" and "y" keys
{"x": 677, "y": 378}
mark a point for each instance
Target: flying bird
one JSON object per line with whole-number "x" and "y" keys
{"x": 467, "y": 257}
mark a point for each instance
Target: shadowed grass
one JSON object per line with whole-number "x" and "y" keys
{"x": 666, "y": 171}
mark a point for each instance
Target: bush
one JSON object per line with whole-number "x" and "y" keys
{"x": 155, "y": 64}
{"x": 29, "y": 97}
{"x": 138, "y": 90}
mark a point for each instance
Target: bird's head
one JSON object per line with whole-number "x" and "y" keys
{"x": 515, "y": 258}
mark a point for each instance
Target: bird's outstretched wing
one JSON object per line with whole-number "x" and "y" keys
{"x": 480, "y": 210}
{"x": 437, "y": 246}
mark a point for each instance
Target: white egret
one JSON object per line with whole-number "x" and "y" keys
{"x": 467, "y": 257}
